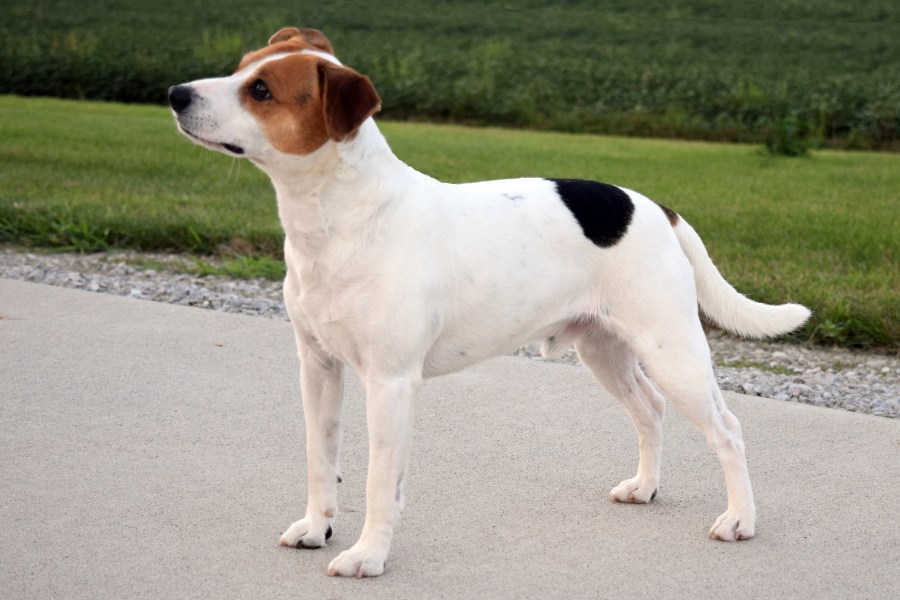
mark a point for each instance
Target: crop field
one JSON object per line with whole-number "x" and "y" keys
{"x": 821, "y": 230}
{"x": 825, "y": 72}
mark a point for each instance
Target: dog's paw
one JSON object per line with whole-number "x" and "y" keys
{"x": 359, "y": 561}
{"x": 304, "y": 534}
{"x": 731, "y": 527}
{"x": 634, "y": 490}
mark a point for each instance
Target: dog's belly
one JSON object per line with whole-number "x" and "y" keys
{"x": 494, "y": 311}
{"x": 457, "y": 348}
{"x": 448, "y": 356}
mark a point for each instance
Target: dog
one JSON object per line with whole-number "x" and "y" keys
{"x": 403, "y": 278}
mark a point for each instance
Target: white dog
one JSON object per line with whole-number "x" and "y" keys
{"x": 403, "y": 277}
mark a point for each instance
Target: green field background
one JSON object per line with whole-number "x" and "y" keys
{"x": 821, "y": 230}
{"x": 828, "y": 70}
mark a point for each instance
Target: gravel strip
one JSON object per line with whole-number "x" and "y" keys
{"x": 856, "y": 381}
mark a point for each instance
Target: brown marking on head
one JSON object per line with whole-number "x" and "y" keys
{"x": 313, "y": 37}
{"x": 670, "y": 214}
{"x": 310, "y": 102}
{"x": 289, "y": 39}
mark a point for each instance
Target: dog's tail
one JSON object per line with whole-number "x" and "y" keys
{"x": 724, "y": 305}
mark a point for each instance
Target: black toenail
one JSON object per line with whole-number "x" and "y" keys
{"x": 328, "y": 533}
{"x": 654, "y": 494}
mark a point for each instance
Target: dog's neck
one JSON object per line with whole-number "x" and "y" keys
{"x": 335, "y": 191}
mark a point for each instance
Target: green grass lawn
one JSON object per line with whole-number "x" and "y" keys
{"x": 823, "y": 230}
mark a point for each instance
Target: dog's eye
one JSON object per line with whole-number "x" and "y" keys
{"x": 259, "y": 90}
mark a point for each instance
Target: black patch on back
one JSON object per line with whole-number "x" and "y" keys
{"x": 603, "y": 211}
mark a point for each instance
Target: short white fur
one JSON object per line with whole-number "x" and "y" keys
{"x": 403, "y": 277}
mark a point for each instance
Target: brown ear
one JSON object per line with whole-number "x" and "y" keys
{"x": 348, "y": 99}
{"x": 313, "y": 37}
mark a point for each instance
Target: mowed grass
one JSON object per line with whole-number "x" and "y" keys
{"x": 87, "y": 176}
{"x": 823, "y": 230}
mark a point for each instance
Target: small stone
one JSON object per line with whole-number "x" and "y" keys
{"x": 798, "y": 389}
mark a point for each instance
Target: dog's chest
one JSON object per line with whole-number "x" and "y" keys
{"x": 328, "y": 308}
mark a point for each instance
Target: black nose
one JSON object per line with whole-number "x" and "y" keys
{"x": 180, "y": 97}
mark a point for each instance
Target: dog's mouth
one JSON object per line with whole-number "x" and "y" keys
{"x": 233, "y": 149}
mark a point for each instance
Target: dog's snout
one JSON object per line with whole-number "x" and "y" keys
{"x": 180, "y": 97}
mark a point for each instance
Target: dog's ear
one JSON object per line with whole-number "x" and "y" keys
{"x": 348, "y": 99}
{"x": 313, "y": 37}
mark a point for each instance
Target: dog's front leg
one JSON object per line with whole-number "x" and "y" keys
{"x": 389, "y": 413}
{"x": 321, "y": 385}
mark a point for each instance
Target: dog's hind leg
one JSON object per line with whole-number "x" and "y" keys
{"x": 615, "y": 366}
{"x": 321, "y": 386}
{"x": 677, "y": 357}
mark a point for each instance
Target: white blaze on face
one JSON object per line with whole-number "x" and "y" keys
{"x": 215, "y": 118}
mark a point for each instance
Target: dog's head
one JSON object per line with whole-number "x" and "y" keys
{"x": 291, "y": 97}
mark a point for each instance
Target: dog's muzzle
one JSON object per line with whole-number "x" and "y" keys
{"x": 180, "y": 98}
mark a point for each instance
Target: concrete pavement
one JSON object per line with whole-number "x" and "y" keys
{"x": 157, "y": 451}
